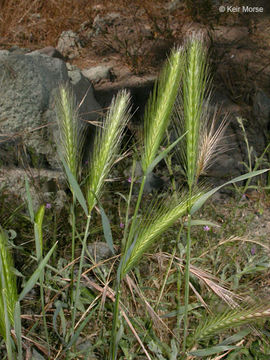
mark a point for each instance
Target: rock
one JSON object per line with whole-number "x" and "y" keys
{"x": 49, "y": 51}
{"x": 97, "y": 73}
{"x": 153, "y": 182}
{"x": 69, "y": 44}
{"x": 83, "y": 90}
{"x": 99, "y": 251}
{"x": 230, "y": 35}
{"x": 101, "y": 22}
{"x": 3, "y": 53}
{"x": 36, "y": 355}
{"x": 25, "y": 96}
{"x": 84, "y": 347}
{"x": 29, "y": 83}
{"x": 224, "y": 167}
{"x": 47, "y": 181}
{"x": 261, "y": 108}
{"x": 174, "y": 4}
{"x": 28, "y": 131}
{"x": 18, "y": 51}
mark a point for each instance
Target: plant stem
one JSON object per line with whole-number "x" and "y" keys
{"x": 72, "y": 250}
{"x": 8, "y": 339}
{"x": 114, "y": 345}
{"x": 165, "y": 279}
{"x": 187, "y": 275}
{"x": 257, "y": 164}
{"x": 179, "y": 276}
{"x": 79, "y": 274}
{"x": 128, "y": 206}
{"x": 41, "y": 279}
{"x": 131, "y": 232}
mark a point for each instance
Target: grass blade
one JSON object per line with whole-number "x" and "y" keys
{"x": 107, "y": 229}
{"x": 79, "y": 330}
{"x": 29, "y": 200}
{"x": 75, "y": 187}
{"x": 199, "y": 203}
{"x": 163, "y": 154}
{"x": 213, "y": 350}
{"x": 236, "y": 337}
{"x": 18, "y": 329}
{"x": 33, "y": 279}
{"x": 203, "y": 222}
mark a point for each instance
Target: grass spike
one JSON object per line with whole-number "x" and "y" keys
{"x": 160, "y": 106}
{"x": 71, "y": 130}
{"x": 107, "y": 142}
{"x": 210, "y": 144}
{"x": 230, "y": 319}
{"x": 190, "y": 106}
{"x": 7, "y": 283}
{"x": 152, "y": 227}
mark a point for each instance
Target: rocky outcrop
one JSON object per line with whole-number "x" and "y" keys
{"x": 28, "y": 86}
{"x": 29, "y": 83}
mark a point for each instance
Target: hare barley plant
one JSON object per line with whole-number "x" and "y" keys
{"x": 182, "y": 92}
{"x": 107, "y": 141}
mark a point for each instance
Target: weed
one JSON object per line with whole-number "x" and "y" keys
{"x": 76, "y": 293}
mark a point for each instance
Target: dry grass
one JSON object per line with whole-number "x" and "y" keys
{"x": 142, "y": 35}
{"x": 41, "y": 22}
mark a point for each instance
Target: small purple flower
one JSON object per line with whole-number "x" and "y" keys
{"x": 86, "y": 162}
{"x": 122, "y": 225}
{"x": 48, "y": 206}
{"x": 244, "y": 196}
{"x": 129, "y": 179}
{"x": 253, "y": 251}
{"x": 206, "y": 228}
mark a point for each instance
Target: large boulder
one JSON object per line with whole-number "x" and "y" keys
{"x": 28, "y": 130}
{"x": 27, "y": 118}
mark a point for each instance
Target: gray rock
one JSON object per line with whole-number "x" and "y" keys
{"x": 49, "y": 51}
{"x": 18, "y": 50}
{"x": 101, "y": 22}
{"x": 25, "y": 95}
{"x": 97, "y": 73}
{"x": 230, "y": 35}
{"x": 3, "y": 54}
{"x": 261, "y": 108}
{"x": 153, "y": 182}
{"x": 48, "y": 181}
{"x": 36, "y": 355}
{"x": 28, "y": 86}
{"x": 99, "y": 251}
{"x": 69, "y": 44}
{"x": 85, "y": 347}
{"x": 83, "y": 89}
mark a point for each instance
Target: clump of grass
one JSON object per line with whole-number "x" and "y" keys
{"x": 185, "y": 75}
{"x": 253, "y": 162}
{"x": 186, "y": 66}
{"x": 107, "y": 142}
{"x": 201, "y": 142}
